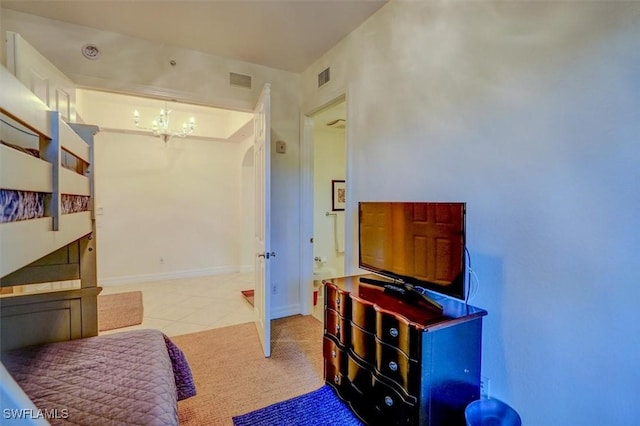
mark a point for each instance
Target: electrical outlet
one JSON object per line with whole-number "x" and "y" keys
{"x": 274, "y": 288}
{"x": 485, "y": 385}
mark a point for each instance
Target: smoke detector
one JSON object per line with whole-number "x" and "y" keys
{"x": 90, "y": 52}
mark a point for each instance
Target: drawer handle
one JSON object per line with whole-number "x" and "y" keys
{"x": 338, "y": 301}
{"x": 389, "y": 401}
{"x": 393, "y": 332}
{"x": 336, "y": 379}
{"x": 333, "y": 354}
{"x": 393, "y": 366}
{"x": 337, "y": 328}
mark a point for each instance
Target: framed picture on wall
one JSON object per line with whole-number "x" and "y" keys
{"x": 338, "y": 195}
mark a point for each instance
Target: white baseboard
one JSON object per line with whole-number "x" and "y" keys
{"x": 285, "y": 311}
{"x": 160, "y": 276}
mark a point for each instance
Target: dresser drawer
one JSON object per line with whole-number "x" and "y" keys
{"x": 337, "y": 326}
{"x": 363, "y": 344}
{"x": 395, "y": 330}
{"x": 395, "y": 365}
{"x": 363, "y": 313}
{"x": 332, "y": 353}
{"x": 336, "y": 299}
{"x": 363, "y": 408}
{"x": 337, "y": 380}
{"x": 391, "y": 407}
{"x": 360, "y": 376}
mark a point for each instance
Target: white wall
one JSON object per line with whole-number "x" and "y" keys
{"x": 137, "y": 66}
{"x": 165, "y": 210}
{"x": 329, "y": 163}
{"x": 2, "y": 32}
{"x": 529, "y": 112}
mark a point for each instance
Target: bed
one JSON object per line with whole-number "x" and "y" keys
{"x": 47, "y": 230}
{"x": 53, "y": 360}
{"x": 133, "y": 377}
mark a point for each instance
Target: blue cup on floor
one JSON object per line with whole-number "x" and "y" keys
{"x": 491, "y": 412}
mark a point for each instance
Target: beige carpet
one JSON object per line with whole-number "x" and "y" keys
{"x": 232, "y": 376}
{"x": 119, "y": 310}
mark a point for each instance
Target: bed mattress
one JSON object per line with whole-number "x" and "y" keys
{"x": 20, "y": 205}
{"x": 134, "y": 378}
{"x": 24, "y": 205}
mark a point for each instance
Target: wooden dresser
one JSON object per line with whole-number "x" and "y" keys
{"x": 400, "y": 363}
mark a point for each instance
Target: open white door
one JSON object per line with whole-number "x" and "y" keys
{"x": 262, "y": 241}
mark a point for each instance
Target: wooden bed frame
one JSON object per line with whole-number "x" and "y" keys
{"x": 53, "y": 248}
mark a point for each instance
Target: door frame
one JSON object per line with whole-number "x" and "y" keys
{"x": 307, "y": 201}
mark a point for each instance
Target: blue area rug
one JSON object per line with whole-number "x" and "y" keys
{"x": 320, "y": 407}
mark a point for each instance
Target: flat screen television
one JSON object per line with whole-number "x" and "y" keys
{"x": 415, "y": 244}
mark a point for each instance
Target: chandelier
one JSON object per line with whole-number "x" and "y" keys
{"x": 160, "y": 126}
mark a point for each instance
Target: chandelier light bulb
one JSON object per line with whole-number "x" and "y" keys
{"x": 160, "y": 126}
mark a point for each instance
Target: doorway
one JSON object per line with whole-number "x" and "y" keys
{"x": 324, "y": 180}
{"x": 187, "y": 200}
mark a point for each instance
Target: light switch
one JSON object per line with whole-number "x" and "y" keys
{"x": 281, "y": 147}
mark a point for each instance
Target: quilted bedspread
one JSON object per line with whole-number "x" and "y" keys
{"x": 133, "y": 378}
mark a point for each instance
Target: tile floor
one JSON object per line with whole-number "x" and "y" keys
{"x": 187, "y": 305}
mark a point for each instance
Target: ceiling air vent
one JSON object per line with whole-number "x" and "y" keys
{"x": 324, "y": 77}
{"x": 240, "y": 80}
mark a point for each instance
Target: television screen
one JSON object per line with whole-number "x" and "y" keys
{"x": 421, "y": 243}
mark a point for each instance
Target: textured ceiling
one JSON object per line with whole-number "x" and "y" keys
{"x": 283, "y": 34}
